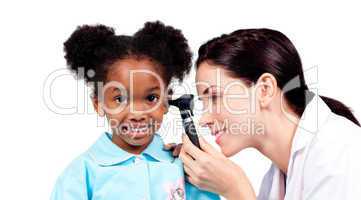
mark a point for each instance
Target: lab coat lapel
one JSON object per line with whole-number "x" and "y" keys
{"x": 273, "y": 185}
{"x": 313, "y": 118}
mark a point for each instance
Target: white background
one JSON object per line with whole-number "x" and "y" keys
{"x": 36, "y": 144}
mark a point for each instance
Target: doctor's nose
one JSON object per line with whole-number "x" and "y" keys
{"x": 206, "y": 120}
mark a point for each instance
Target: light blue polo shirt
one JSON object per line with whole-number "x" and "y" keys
{"x": 107, "y": 172}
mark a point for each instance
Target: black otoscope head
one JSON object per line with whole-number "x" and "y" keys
{"x": 185, "y": 102}
{"x": 185, "y": 105}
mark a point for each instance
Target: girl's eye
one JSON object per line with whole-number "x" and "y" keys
{"x": 152, "y": 98}
{"x": 120, "y": 99}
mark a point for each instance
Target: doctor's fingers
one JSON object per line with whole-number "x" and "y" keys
{"x": 187, "y": 159}
{"x": 189, "y": 172}
{"x": 170, "y": 146}
{"x": 206, "y": 147}
{"x": 192, "y": 177}
{"x": 175, "y": 148}
{"x": 199, "y": 178}
{"x": 191, "y": 149}
{"x": 200, "y": 169}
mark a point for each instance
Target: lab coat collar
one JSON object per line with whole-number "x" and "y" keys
{"x": 314, "y": 116}
{"x": 273, "y": 186}
{"x": 106, "y": 153}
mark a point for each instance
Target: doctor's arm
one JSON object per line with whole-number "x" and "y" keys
{"x": 210, "y": 170}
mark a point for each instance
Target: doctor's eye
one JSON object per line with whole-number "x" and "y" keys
{"x": 214, "y": 97}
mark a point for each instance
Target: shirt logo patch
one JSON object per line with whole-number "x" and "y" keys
{"x": 177, "y": 194}
{"x": 175, "y": 190}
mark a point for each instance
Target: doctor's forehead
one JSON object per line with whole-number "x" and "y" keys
{"x": 206, "y": 77}
{"x": 207, "y": 70}
{"x": 210, "y": 76}
{"x": 211, "y": 73}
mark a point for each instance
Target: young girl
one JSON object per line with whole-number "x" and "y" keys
{"x": 129, "y": 75}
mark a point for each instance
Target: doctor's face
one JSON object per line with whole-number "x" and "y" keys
{"x": 229, "y": 110}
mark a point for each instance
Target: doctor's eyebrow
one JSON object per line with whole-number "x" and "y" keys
{"x": 206, "y": 91}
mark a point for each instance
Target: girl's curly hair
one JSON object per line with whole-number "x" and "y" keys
{"x": 93, "y": 48}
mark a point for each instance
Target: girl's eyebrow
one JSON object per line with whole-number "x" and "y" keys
{"x": 153, "y": 88}
{"x": 115, "y": 89}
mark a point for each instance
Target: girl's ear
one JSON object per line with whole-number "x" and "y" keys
{"x": 98, "y": 106}
{"x": 166, "y": 104}
{"x": 168, "y": 97}
{"x": 166, "y": 108}
{"x": 266, "y": 89}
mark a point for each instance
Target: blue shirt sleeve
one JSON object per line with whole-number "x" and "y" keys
{"x": 194, "y": 193}
{"x": 72, "y": 183}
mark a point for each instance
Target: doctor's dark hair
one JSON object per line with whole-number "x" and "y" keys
{"x": 248, "y": 53}
{"x": 91, "y": 49}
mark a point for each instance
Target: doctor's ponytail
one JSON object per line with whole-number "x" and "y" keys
{"x": 248, "y": 53}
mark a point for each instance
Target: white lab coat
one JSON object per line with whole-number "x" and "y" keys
{"x": 325, "y": 160}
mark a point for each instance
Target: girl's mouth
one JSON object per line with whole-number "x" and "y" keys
{"x": 136, "y": 131}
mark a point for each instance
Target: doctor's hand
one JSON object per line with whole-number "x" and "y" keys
{"x": 175, "y": 148}
{"x": 210, "y": 170}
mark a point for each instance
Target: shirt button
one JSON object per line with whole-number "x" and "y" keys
{"x": 137, "y": 160}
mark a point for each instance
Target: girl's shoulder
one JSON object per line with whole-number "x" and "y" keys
{"x": 75, "y": 180}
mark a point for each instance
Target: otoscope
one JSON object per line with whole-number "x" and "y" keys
{"x": 185, "y": 105}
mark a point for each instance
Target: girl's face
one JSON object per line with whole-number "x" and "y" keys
{"x": 229, "y": 109}
{"x": 133, "y": 102}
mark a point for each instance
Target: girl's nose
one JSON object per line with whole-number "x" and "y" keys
{"x": 137, "y": 118}
{"x": 137, "y": 112}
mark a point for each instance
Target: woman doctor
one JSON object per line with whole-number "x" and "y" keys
{"x": 255, "y": 77}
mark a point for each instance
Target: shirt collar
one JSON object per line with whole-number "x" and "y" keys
{"x": 106, "y": 153}
{"x": 156, "y": 151}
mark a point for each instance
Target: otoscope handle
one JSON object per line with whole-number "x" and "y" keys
{"x": 190, "y": 128}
